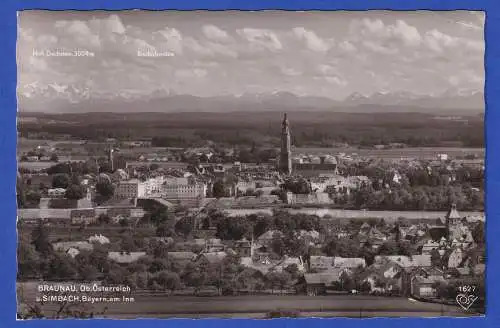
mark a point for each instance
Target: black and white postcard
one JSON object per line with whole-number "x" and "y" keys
{"x": 263, "y": 164}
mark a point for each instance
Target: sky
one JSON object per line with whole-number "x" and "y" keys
{"x": 328, "y": 54}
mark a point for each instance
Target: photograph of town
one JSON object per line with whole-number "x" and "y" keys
{"x": 235, "y": 164}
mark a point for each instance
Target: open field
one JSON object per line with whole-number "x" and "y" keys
{"x": 256, "y": 306}
{"x": 424, "y": 153}
{"x": 387, "y": 154}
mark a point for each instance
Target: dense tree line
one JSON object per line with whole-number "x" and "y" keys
{"x": 320, "y": 129}
{"x": 421, "y": 198}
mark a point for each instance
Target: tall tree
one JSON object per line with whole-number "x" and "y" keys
{"x": 436, "y": 259}
{"x": 219, "y": 189}
{"x": 40, "y": 239}
{"x": 74, "y": 191}
{"x": 61, "y": 180}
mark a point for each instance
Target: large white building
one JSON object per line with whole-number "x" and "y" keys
{"x": 130, "y": 189}
{"x": 137, "y": 189}
{"x": 193, "y": 190}
{"x": 172, "y": 189}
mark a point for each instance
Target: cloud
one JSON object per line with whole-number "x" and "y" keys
{"x": 196, "y": 47}
{"x": 470, "y": 26}
{"x": 221, "y": 49}
{"x": 45, "y": 39}
{"x": 313, "y": 42}
{"x": 78, "y": 27}
{"x": 114, "y": 25}
{"x": 37, "y": 64}
{"x": 439, "y": 42}
{"x": 214, "y": 33}
{"x": 78, "y": 32}
{"x": 377, "y": 48}
{"x": 261, "y": 38}
{"x": 327, "y": 69}
{"x": 335, "y": 80}
{"x": 172, "y": 39}
{"x": 288, "y": 71}
{"x": 191, "y": 73}
{"x": 347, "y": 46}
{"x": 378, "y": 30}
{"x": 26, "y": 34}
{"x": 467, "y": 79}
{"x": 392, "y": 52}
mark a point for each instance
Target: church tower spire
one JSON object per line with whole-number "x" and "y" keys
{"x": 286, "y": 148}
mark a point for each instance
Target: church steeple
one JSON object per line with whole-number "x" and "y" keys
{"x": 286, "y": 148}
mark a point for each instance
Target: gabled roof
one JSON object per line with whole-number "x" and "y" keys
{"x": 64, "y": 246}
{"x": 326, "y": 278}
{"x": 464, "y": 271}
{"x": 214, "y": 257}
{"x": 270, "y": 234}
{"x": 453, "y": 213}
{"x": 344, "y": 262}
{"x": 181, "y": 256}
{"x": 122, "y": 257}
{"x": 324, "y": 261}
{"x": 365, "y": 226}
{"x": 408, "y": 262}
{"x": 479, "y": 268}
{"x": 98, "y": 239}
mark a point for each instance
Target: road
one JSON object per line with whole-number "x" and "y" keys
{"x": 162, "y": 306}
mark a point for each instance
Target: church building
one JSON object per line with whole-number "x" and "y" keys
{"x": 312, "y": 166}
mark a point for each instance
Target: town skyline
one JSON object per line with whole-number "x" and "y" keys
{"x": 245, "y": 164}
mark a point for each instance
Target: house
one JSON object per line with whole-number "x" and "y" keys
{"x": 365, "y": 228}
{"x": 56, "y": 193}
{"x": 479, "y": 269}
{"x": 125, "y": 258}
{"x": 212, "y": 258}
{"x": 454, "y": 258}
{"x": 319, "y": 283}
{"x": 464, "y": 272}
{"x": 211, "y": 245}
{"x": 348, "y": 263}
{"x": 267, "y": 237}
{"x": 40, "y": 181}
{"x": 383, "y": 276}
{"x": 181, "y": 258}
{"x": 396, "y": 177}
{"x": 99, "y": 239}
{"x": 429, "y": 246}
{"x": 433, "y": 273}
{"x": 287, "y": 261}
{"x": 310, "y": 237}
{"x": 243, "y": 247}
{"x": 264, "y": 264}
{"x": 66, "y": 245}
{"x": 73, "y": 252}
{"x": 406, "y": 261}
{"x": 320, "y": 263}
{"x": 423, "y": 288}
{"x": 85, "y": 216}
{"x": 426, "y": 275}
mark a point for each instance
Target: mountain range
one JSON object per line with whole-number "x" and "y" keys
{"x": 56, "y": 98}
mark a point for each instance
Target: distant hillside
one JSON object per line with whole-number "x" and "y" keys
{"x": 69, "y": 99}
